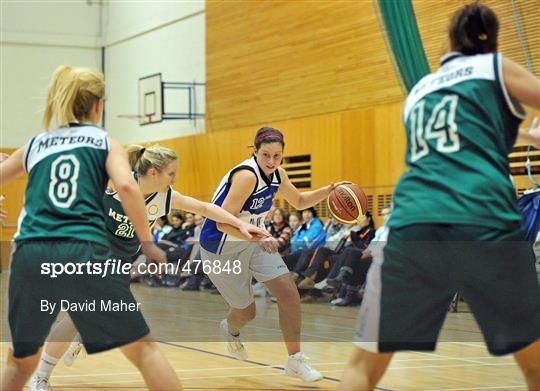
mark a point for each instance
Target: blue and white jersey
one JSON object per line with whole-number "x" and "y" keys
{"x": 254, "y": 210}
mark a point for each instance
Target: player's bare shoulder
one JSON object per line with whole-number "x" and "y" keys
{"x": 244, "y": 176}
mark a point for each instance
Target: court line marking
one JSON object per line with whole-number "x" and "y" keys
{"x": 257, "y": 367}
{"x": 183, "y": 379}
{"x": 281, "y": 374}
{"x": 256, "y": 327}
{"x": 280, "y": 367}
{"x": 275, "y": 374}
{"x": 160, "y": 303}
{"x": 448, "y": 366}
{"x": 476, "y": 388}
{"x": 255, "y": 362}
{"x": 454, "y": 358}
{"x": 468, "y": 344}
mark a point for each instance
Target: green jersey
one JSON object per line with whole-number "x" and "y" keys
{"x": 461, "y": 125}
{"x": 66, "y": 180}
{"x": 122, "y": 236}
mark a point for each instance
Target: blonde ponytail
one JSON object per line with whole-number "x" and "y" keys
{"x": 156, "y": 156}
{"x": 72, "y": 95}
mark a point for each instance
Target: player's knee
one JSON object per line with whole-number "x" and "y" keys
{"x": 288, "y": 293}
{"x": 25, "y": 365}
{"x": 136, "y": 351}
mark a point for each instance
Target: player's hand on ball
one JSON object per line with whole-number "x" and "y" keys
{"x": 269, "y": 244}
{"x": 154, "y": 253}
{"x": 250, "y": 230}
{"x": 332, "y": 186}
{"x": 3, "y": 156}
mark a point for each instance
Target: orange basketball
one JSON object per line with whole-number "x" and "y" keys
{"x": 347, "y": 203}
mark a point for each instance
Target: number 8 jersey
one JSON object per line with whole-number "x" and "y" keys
{"x": 66, "y": 181}
{"x": 253, "y": 211}
{"x": 461, "y": 125}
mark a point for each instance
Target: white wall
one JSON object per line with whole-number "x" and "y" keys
{"x": 35, "y": 38}
{"x": 67, "y": 23}
{"x": 124, "y": 20}
{"x": 147, "y": 38}
{"x": 140, "y": 38}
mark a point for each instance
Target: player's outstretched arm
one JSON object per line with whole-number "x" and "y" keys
{"x": 521, "y": 84}
{"x": 132, "y": 200}
{"x": 303, "y": 200}
{"x": 214, "y": 212}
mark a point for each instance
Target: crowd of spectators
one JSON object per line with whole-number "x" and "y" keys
{"x": 328, "y": 262}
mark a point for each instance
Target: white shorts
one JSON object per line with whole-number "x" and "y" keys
{"x": 254, "y": 262}
{"x": 367, "y": 327}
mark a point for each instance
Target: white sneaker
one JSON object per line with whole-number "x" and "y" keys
{"x": 259, "y": 290}
{"x": 298, "y": 367}
{"x": 73, "y": 351}
{"x": 234, "y": 344}
{"x": 39, "y": 383}
{"x": 320, "y": 284}
{"x": 336, "y": 301}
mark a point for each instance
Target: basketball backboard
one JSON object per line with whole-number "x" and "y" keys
{"x": 150, "y": 99}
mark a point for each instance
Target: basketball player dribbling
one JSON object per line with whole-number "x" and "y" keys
{"x": 247, "y": 191}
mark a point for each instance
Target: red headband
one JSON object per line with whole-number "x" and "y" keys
{"x": 268, "y": 133}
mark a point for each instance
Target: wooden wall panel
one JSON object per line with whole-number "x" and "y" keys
{"x": 433, "y": 28}
{"x": 374, "y": 145}
{"x": 281, "y": 59}
{"x": 365, "y": 146}
{"x": 14, "y": 193}
{"x": 206, "y": 158}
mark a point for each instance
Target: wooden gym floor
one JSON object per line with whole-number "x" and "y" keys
{"x": 192, "y": 320}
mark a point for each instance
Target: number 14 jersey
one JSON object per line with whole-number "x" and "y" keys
{"x": 461, "y": 125}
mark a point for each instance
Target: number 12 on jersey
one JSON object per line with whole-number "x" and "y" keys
{"x": 441, "y": 127}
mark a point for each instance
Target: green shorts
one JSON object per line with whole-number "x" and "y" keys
{"x": 422, "y": 267}
{"x": 100, "y": 304}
